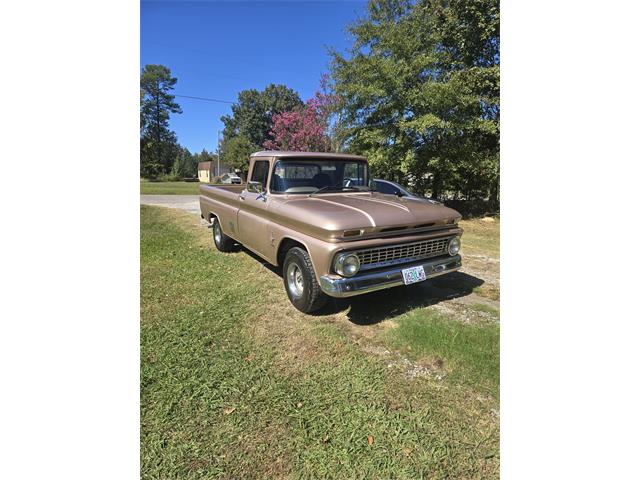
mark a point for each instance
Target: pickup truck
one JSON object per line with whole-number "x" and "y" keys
{"x": 318, "y": 216}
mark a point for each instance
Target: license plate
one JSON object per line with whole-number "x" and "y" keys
{"x": 413, "y": 275}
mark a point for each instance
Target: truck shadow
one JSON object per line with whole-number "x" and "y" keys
{"x": 375, "y": 307}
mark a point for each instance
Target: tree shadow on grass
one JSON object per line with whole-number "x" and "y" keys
{"x": 372, "y": 308}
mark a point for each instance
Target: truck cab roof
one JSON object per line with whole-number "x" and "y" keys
{"x": 306, "y": 155}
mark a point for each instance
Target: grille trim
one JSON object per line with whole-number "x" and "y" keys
{"x": 387, "y": 255}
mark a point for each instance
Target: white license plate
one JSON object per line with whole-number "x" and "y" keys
{"x": 413, "y": 275}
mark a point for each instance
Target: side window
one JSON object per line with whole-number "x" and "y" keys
{"x": 384, "y": 187}
{"x": 353, "y": 174}
{"x": 260, "y": 173}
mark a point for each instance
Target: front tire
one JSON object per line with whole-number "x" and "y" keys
{"x": 300, "y": 281}
{"x": 221, "y": 241}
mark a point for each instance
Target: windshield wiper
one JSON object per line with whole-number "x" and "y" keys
{"x": 332, "y": 188}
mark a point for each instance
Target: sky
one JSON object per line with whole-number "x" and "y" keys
{"x": 216, "y": 49}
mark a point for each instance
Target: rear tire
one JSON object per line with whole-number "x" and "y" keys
{"x": 300, "y": 282}
{"x": 221, "y": 241}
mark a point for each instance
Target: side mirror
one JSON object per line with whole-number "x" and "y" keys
{"x": 254, "y": 187}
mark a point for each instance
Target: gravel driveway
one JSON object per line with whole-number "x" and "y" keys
{"x": 189, "y": 203}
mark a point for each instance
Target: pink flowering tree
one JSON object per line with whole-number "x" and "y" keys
{"x": 305, "y": 129}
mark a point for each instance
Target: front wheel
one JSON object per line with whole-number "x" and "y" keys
{"x": 221, "y": 241}
{"x": 300, "y": 281}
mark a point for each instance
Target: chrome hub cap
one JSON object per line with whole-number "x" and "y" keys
{"x": 295, "y": 282}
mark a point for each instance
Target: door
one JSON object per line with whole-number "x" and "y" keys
{"x": 252, "y": 217}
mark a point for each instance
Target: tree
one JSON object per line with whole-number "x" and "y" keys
{"x": 205, "y": 156}
{"x": 420, "y": 93}
{"x": 303, "y": 129}
{"x": 252, "y": 118}
{"x": 236, "y": 152}
{"x": 330, "y": 107}
{"x": 185, "y": 164}
{"x": 315, "y": 126}
{"x": 158, "y": 144}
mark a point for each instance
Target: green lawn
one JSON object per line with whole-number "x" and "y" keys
{"x": 236, "y": 383}
{"x": 471, "y": 350}
{"x": 169, "y": 188}
{"x": 482, "y": 236}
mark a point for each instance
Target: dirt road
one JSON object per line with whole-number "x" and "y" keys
{"x": 182, "y": 202}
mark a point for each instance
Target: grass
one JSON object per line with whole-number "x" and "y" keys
{"x": 488, "y": 291}
{"x": 169, "y": 188}
{"x": 235, "y": 383}
{"x": 483, "y": 308}
{"x": 472, "y": 352}
{"x": 481, "y": 253}
{"x": 481, "y": 236}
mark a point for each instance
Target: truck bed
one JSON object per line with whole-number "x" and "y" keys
{"x": 223, "y": 199}
{"x": 211, "y": 190}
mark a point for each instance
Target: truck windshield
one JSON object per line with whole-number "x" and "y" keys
{"x": 321, "y": 175}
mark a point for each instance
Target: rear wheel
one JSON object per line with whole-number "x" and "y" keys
{"x": 222, "y": 242}
{"x": 300, "y": 281}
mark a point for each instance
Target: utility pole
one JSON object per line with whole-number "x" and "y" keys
{"x": 218, "y": 152}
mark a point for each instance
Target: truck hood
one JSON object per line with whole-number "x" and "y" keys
{"x": 332, "y": 214}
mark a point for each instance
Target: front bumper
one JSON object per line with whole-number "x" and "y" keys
{"x": 336, "y": 286}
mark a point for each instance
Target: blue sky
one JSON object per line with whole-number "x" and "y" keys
{"x": 216, "y": 49}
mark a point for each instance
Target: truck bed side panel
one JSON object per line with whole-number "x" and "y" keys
{"x": 221, "y": 201}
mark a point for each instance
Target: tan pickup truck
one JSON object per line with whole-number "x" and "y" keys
{"x": 316, "y": 216}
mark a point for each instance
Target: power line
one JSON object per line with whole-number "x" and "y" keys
{"x": 202, "y": 98}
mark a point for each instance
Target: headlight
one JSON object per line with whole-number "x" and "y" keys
{"x": 454, "y": 246}
{"x": 346, "y": 264}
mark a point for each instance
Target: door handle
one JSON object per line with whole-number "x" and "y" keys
{"x": 241, "y": 197}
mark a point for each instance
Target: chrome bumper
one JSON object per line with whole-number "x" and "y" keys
{"x": 336, "y": 286}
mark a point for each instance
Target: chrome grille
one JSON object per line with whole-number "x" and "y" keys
{"x": 391, "y": 255}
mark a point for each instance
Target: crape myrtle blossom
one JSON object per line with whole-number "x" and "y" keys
{"x": 304, "y": 129}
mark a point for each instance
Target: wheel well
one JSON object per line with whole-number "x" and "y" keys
{"x": 285, "y": 245}
{"x": 211, "y": 216}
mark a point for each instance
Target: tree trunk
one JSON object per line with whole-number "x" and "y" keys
{"x": 435, "y": 189}
{"x": 494, "y": 191}
{"x": 158, "y": 145}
